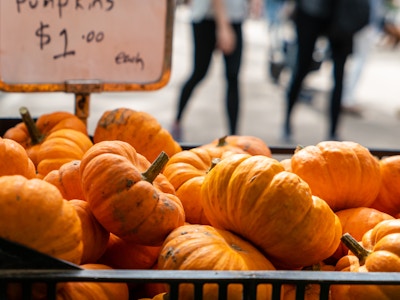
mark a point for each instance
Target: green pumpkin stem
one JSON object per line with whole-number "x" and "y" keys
{"x": 156, "y": 167}
{"x": 34, "y": 133}
{"x": 355, "y": 247}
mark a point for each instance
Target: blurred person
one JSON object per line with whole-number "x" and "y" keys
{"x": 364, "y": 42}
{"x": 313, "y": 19}
{"x": 216, "y": 25}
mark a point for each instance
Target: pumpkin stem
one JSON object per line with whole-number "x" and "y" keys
{"x": 159, "y": 163}
{"x": 214, "y": 162}
{"x": 34, "y": 132}
{"x": 355, "y": 247}
{"x": 222, "y": 141}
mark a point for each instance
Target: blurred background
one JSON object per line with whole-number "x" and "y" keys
{"x": 377, "y": 94}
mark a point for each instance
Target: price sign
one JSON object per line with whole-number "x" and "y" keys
{"x": 119, "y": 44}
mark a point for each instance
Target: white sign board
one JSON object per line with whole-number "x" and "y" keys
{"x": 107, "y": 41}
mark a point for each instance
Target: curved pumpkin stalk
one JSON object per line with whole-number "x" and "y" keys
{"x": 34, "y": 132}
{"x": 155, "y": 168}
{"x": 355, "y": 247}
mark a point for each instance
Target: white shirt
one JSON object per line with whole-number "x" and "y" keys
{"x": 236, "y": 10}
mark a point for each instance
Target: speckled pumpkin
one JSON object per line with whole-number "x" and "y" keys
{"x": 124, "y": 199}
{"x": 275, "y": 210}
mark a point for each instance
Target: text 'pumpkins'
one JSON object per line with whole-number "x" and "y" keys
{"x": 274, "y": 209}
{"x": 140, "y": 129}
{"x": 123, "y": 200}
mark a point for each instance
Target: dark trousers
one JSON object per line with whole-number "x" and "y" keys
{"x": 204, "y": 45}
{"x": 308, "y": 30}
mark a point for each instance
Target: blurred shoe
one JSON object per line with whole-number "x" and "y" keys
{"x": 352, "y": 110}
{"x": 176, "y": 132}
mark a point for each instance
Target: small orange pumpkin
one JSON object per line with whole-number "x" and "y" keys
{"x": 203, "y": 247}
{"x": 30, "y": 134}
{"x": 249, "y": 144}
{"x": 60, "y": 147}
{"x": 120, "y": 254}
{"x": 357, "y": 221}
{"x": 67, "y": 179}
{"x": 344, "y": 174}
{"x": 94, "y": 236}
{"x": 377, "y": 252}
{"x": 33, "y": 213}
{"x": 123, "y": 197}
{"x": 139, "y": 129}
{"x": 14, "y": 160}
{"x": 388, "y": 198}
{"x": 93, "y": 290}
{"x": 275, "y": 210}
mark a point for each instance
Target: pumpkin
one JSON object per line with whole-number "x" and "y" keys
{"x": 344, "y": 174}
{"x": 377, "y": 252}
{"x": 275, "y": 210}
{"x": 357, "y": 221}
{"x": 67, "y": 179}
{"x": 60, "y": 147}
{"x": 33, "y": 213}
{"x": 388, "y": 198}
{"x": 139, "y": 129}
{"x": 14, "y": 160}
{"x": 203, "y": 247}
{"x": 93, "y": 290}
{"x": 94, "y": 235}
{"x": 120, "y": 254}
{"x": 249, "y": 144}
{"x": 31, "y": 134}
{"x": 122, "y": 196}
{"x": 186, "y": 171}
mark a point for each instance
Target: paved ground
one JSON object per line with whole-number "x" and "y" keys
{"x": 262, "y": 104}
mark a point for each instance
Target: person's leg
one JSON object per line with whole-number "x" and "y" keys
{"x": 307, "y": 33}
{"x": 339, "y": 60}
{"x": 232, "y": 68}
{"x": 203, "y": 46}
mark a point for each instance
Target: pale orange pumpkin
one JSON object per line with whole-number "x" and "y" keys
{"x": 344, "y": 174}
{"x": 33, "y": 213}
{"x": 14, "y": 160}
{"x": 254, "y": 197}
{"x": 203, "y": 247}
{"x": 388, "y": 198}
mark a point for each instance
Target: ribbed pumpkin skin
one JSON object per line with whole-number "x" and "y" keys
{"x": 186, "y": 170}
{"x": 93, "y": 290}
{"x": 249, "y": 144}
{"x": 139, "y": 129}
{"x": 203, "y": 247}
{"x": 388, "y": 198}
{"x": 344, "y": 174}
{"x": 128, "y": 206}
{"x": 67, "y": 179}
{"x": 255, "y": 198}
{"x": 357, "y": 221}
{"x": 14, "y": 160}
{"x": 33, "y": 213}
{"x": 46, "y": 124}
{"x": 383, "y": 242}
{"x": 60, "y": 147}
{"x": 94, "y": 235}
{"x": 120, "y": 254}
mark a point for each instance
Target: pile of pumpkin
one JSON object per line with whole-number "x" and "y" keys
{"x": 131, "y": 198}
